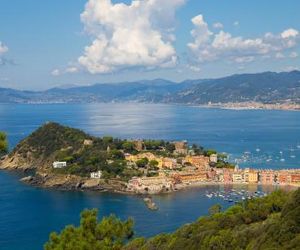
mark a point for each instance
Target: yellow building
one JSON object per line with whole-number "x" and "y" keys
{"x": 250, "y": 175}
{"x": 201, "y": 162}
{"x": 148, "y": 155}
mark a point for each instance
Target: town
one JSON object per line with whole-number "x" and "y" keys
{"x": 187, "y": 166}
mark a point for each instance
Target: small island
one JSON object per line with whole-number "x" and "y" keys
{"x": 66, "y": 158}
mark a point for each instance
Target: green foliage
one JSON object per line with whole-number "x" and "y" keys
{"x": 142, "y": 163}
{"x": 272, "y": 222}
{"x": 215, "y": 209}
{"x": 210, "y": 152}
{"x": 170, "y": 147}
{"x": 154, "y": 144}
{"x": 3, "y": 143}
{"x": 153, "y": 163}
{"x": 109, "y": 233}
{"x": 128, "y": 146}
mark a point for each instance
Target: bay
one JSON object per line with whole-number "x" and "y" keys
{"x": 28, "y": 215}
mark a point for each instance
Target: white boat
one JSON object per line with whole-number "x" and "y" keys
{"x": 209, "y": 195}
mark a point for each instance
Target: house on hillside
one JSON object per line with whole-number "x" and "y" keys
{"x": 59, "y": 164}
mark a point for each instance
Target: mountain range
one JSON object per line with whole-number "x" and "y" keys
{"x": 266, "y": 87}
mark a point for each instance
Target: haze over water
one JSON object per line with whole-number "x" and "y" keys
{"x": 29, "y": 214}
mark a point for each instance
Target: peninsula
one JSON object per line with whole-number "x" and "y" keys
{"x": 67, "y": 158}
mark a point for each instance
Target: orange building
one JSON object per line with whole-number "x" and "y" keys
{"x": 295, "y": 178}
{"x": 201, "y": 162}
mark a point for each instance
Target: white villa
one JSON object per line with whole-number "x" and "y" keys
{"x": 59, "y": 164}
{"x": 96, "y": 175}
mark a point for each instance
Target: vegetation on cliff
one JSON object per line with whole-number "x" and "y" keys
{"x": 3, "y": 144}
{"x": 272, "y": 222}
{"x": 85, "y": 154}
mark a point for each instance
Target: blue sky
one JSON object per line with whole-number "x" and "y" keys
{"x": 60, "y": 42}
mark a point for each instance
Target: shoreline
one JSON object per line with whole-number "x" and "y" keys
{"x": 226, "y": 106}
{"x": 33, "y": 182}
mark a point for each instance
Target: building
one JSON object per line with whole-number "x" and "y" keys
{"x": 59, "y": 164}
{"x": 169, "y": 163}
{"x": 283, "y": 177}
{"x": 96, "y": 175}
{"x": 238, "y": 177}
{"x": 250, "y": 175}
{"x": 148, "y": 155}
{"x": 87, "y": 142}
{"x": 227, "y": 175}
{"x": 150, "y": 184}
{"x": 295, "y": 178}
{"x": 190, "y": 177}
{"x": 213, "y": 158}
{"x": 267, "y": 177}
{"x": 139, "y": 145}
{"x": 200, "y": 161}
{"x": 181, "y": 147}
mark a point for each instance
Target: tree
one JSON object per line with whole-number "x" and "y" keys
{"x": 142, "y": 162}
{"x": 109, "y": 233}
{"x": 170, "y": 147}
{"x": 210, "y": 152}
{"x": 128, "y": 146}
{"x": 3, "y": 143}
{"x": 215, "y": 209}
{"x": 153, "y": 163}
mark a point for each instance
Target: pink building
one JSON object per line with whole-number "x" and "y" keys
{"x": 227, "y": 175}
{"x": 267, "y": 177}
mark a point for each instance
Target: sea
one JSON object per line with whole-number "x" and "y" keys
{"x": 250, "y": 138}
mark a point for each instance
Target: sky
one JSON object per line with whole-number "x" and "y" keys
{"x": 50, "y": 43}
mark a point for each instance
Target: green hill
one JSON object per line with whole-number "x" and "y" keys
{"x": 266, "y": 223}
{"x": 269, "y": 223}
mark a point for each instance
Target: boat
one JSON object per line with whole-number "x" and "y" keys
{"x": 209, "y": 195}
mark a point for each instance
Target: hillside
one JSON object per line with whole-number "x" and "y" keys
{"x": 267, "y": 223}
{"x": 267, "y": 87}
{"x": 40, "y": 148}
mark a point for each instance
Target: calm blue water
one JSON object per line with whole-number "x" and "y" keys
{"x": 28, "y": 214}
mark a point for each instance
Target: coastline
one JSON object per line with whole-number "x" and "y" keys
{"x": 227, "y": 105}
{"x": 81, "y": 184}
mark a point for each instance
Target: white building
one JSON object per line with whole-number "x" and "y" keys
{"x": 59, "y": 164}
{"x": 96, "y": 175}
{"x": 213, "y": 158}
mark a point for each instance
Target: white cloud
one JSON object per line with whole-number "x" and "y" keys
{"x": 3, "y": 48}
{"x": 208, "y": 46}
{"x": 136, "y": 35}
{"x": 71, "y": 70}
{"x": 194, "y": 68}
{"x": 218, "y": 25}
{"x": 56, "y": 72}
{"x": 293, "y": 54}
{"x": 291, "y": 68}
{"x": 236, "y": 23}
{"x": 279, "y": 55}
{"x": 289, "y": 33}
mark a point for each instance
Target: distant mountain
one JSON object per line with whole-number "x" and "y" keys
{"x": 267, "y": 87}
